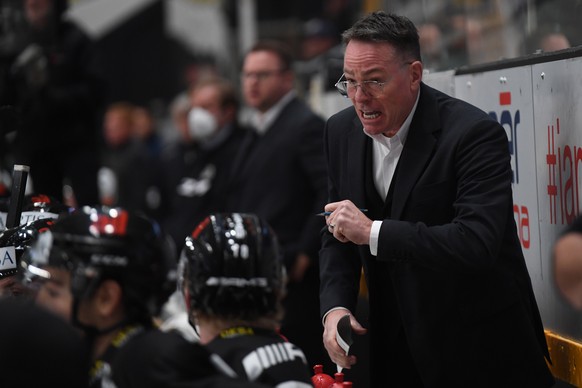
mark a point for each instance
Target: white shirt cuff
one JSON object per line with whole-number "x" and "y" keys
{"x": 374, "y": 234}
{"x": 333, "y": 309}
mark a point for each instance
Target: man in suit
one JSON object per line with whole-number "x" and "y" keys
{"x": 280, "y": 175}
{"x": 451, "y": 301}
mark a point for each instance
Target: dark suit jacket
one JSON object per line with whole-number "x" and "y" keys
{"x": 450, "y": 271}
{"x": 282, "y": 177}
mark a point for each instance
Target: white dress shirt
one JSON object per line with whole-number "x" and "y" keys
{"x": 262, "y": 121}
{"x": 386, "y": 153}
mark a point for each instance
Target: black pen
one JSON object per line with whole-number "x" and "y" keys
{"x": 325, "y": 214}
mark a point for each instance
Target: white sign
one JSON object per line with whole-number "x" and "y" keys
{"x": 7, "y": 258}
{"x": 506, "y": 96}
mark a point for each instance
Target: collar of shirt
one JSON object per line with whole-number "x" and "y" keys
{"x": 262, "y": 121}
{"x": 386, "y": 154}
{"x": 383, "y": 172}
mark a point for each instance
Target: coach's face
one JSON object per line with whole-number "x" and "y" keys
{"x": 383, "y": 104}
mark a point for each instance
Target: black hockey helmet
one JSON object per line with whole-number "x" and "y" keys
{"x": 15, "y": 241}
{"x": 102, "y": 243}
{"x": 35, "y": 207}
{"x": 231, "y": 267}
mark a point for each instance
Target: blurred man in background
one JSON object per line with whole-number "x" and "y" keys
{"x": 53, "y": 83}
{"x": 198, "y": 169}
{"x": 280, "y": 175}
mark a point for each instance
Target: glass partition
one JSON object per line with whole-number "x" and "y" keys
{"x": 458, "y": 33}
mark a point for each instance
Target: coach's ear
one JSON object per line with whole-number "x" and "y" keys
{"x": 415, "y": 72}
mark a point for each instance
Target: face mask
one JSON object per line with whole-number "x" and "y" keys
{"x": 201, "y": 124}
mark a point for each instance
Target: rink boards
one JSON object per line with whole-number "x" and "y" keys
{"x": 538, "y": 100}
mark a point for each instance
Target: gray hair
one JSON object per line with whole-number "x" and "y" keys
{"x": 380, "y": 27}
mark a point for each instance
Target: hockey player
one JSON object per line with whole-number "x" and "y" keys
{"x": 117, "y": 267}
{"x": 37, "y": 214}
{"x": 13, "y": 243}
{"x": 233, "y": 280}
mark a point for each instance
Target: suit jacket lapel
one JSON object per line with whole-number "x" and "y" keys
{"x": 417, "y": 150}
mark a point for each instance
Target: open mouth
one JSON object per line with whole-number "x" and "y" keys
{"x": 370, "y": 115}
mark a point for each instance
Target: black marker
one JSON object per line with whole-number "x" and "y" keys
{"x": 329, "y": 213}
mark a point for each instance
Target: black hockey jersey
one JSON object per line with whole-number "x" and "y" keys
{"x": 149, "y": 358}
{"x": 262, "y": 356}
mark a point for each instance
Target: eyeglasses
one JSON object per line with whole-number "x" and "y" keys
{"x": 260, "y": 75}
{"x": 349, "y": 88}
{"x": 374, "y": 89}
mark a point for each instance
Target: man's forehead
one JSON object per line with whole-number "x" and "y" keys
{"x": 261, "y": 58}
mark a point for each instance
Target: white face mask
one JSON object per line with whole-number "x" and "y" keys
{"x": 201, "y": 124}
